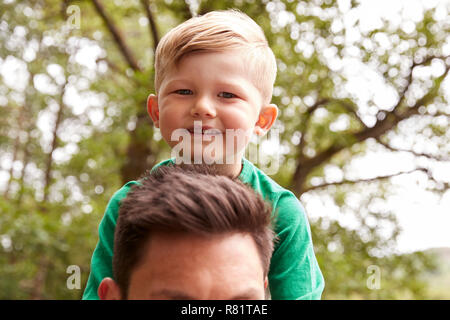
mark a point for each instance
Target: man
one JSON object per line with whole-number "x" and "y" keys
{"x": 187, "y": 233}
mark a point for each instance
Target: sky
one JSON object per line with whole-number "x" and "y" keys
{"x": 424, "y": 218}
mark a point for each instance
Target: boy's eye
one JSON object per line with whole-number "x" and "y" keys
{"x": 227, "y": 95}
{"x": 183, "y": 91}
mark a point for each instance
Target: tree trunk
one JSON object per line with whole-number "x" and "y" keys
{"x": 48, "y": 166}
{"x": 20, "y": 119}
{"x": 138, "y": 152}
{"x": 26, "y": 155}
{"x": 39, "y": 280}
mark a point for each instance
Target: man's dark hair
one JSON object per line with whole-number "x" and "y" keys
{"x": 191, "y": 199}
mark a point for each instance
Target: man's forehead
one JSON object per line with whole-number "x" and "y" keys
{"x": 187, "y": 245}
{"x": 182, "y": 294}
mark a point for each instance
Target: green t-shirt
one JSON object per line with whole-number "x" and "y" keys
{"x": 294, "y": 272}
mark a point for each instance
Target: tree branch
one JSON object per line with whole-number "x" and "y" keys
{"x": 117, "y": 36}
{"x": 418, "y": 154}
{"x": 111, "y": 65}
{"x": 118, "y": 70}
{"x": 345, "y": 181}
{"x": 438, "y": 114}
{"x": 152, "y": 25}
{"x": 305, "y": 165}
{"x": 409, "y": 78}
{"x": 350, "y": 109}
{"x": 308, "y": 116}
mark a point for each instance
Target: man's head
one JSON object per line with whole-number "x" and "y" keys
{"x": 218, "y": 69}
{"x": 186, "y": 233}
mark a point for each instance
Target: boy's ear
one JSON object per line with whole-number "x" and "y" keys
{"x": 266, "y": 119}
{"x": 108, "y": 290}
{"x": 153, "y": 109}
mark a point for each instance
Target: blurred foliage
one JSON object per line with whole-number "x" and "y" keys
{"x": 81, "y": 122}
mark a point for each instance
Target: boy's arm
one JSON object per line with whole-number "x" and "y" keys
{"x": 101, "y": 262}
{"x": 294, "y": 272}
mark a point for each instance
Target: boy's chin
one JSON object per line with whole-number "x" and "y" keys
{"x": 198, "y": 158}
{"x": 208, "y": 159}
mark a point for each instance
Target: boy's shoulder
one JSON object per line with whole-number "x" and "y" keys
{"x": 279, "y": 196}
{"x": 163, "y": 163}
{"x": 251, "y": 175}
{"x": 123, "y": 191}
{"x": 256, "y": 177}
{"x": 118, "y": 196}
{"x": 287, "y": 208}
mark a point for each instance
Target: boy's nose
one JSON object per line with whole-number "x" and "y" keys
{"x": 203, "y": 108}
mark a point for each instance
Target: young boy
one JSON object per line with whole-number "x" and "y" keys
{"x": 215, "y": 75}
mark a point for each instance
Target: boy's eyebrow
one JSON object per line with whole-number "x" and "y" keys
{"x": 176, "y": 80}
{"x": 238, "y": 88}
{"x": 232, "y": 86}
{"x": 166, "y": 85}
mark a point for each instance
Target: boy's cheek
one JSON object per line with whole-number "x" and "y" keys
{"x": 169, "y": 139}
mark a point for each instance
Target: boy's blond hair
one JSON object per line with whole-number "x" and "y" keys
{"x": 218, "y": 31}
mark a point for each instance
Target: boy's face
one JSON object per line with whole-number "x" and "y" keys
{"x": 213, "y": 88}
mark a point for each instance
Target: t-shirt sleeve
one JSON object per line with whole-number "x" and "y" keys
{"x": 101, "y": 262}
{"x": 294, "y": 272}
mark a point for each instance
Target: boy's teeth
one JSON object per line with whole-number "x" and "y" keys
{"x": 210, "y": 131}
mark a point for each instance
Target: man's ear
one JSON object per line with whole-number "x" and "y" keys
{"x": 266, "y": 282}
{"x": 108, "y": 290}
{"x": 153, "y": 109}
{"x": 266, "y": 119}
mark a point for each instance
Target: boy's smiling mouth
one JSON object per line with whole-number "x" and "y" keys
{"x": 204, "y": 130}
